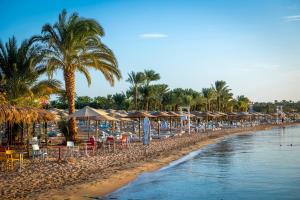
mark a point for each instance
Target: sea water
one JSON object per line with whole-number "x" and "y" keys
{"x": 262, "y": 165}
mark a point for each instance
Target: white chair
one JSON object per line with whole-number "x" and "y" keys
{"x": 37, "y": 152}
{"x": 71, "y": 149}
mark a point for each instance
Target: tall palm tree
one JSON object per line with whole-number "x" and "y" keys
{"x": 20, "y": 70}
{"x": 151, "y": 75}
{"x": 148, "y": 90}
{"x": 136, "y": 80}
{"x": 209, "y": 94}
{"x": 74, "y": 44}
{"x": 243, "y": 103}
{"x": 220, "y": 89}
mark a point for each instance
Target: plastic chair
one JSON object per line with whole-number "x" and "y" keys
{"x": 37, "y": 152}
{"x": 124, "y": 140}
{"x": 110, "y": 141}
{"x": 71, "y": 148}
{"x": 10, "y": 159}
{"x": 91, "y": 144}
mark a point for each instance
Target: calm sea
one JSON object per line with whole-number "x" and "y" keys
{"x": 264, "y": 165}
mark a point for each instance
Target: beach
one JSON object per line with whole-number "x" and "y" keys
{"x": 99, "y": 175}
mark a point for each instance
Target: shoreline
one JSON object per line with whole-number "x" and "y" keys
{"x": 117, "y": 177}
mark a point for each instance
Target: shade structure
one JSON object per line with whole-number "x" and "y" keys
{"x": 117, "y": 115}
{"x": 208, "y": 114}
{"x": 173, "y": 114}
{"x": 186, "y": 114}
{"x": 91, "y": 113}
{"x": 160, "y": 114}
{"x": 221, "y": 114}
{"x": 17, "y": 114}
{"x": 103, "y": 115}
{"x": 243, "y": 115}
{"x": 86, "y": 112}
{"x": 139, "y": 115}
{"x": 197, "y": 114}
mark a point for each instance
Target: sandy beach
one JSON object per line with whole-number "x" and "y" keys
{"x": 95, "y": 176}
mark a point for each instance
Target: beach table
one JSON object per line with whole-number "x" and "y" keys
{"x": 21, "y": 159}
{"x": 59, "y": 151}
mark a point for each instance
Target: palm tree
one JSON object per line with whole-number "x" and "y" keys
{"x": 74, "y": 44}
{"x": 209, "y": 95}
{"x": 148, "y": 90}
{"x": 151, "y": 75}
{"x": 136, "y": 80}
{"x": 220, "y": 89}
{"x": 20, "y": 70}
{"x": 243, "y": 103}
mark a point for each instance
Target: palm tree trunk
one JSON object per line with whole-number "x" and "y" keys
{"x": 69, "y": 76}
{"x": 207, "y": 105}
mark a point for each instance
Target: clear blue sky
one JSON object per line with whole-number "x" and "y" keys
{"x": 253, "y": 45}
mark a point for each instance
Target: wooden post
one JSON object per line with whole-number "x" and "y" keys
{"x": 158, "y": 126}
{"x": 46, "y": 132}
{"x": 139, "y": 128}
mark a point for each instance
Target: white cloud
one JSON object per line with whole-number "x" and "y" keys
{"x": 292, "y": 18}
{"x": 153, "y": 35}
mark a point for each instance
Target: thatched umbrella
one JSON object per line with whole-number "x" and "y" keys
{"x": 119, "y": 116}
{"x": 88, "y": 113}
{"x": 159, "y": 114}
{"x": 22, "y": 115}
{"x": 139, "y": 115}
{"x": 243, "y": 115}
{"x": 207, "y": 115}
{"x": 172, "y": 114}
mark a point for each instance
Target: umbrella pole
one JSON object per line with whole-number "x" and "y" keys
{"x": 139, "y": 128}
{"x": 158, "y": 126}
{"x": 46, "y": 132}
{"x": 170, "y": 124}
{"x": 88, "y": 129}
{"x": 121, "y": 128}
{"x": 97, "y": 135}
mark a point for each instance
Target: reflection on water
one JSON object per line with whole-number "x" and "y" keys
{"x": 264, "y": 165}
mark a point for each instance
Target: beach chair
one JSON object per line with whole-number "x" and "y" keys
{"x": 72, "y": 149}
{"x": 92, "y": 145}
{"x": 11, "y": 159}
{"x": 110, "y": 143}
{"x": 37, "y": 152}
{"x": 124, "y": 140}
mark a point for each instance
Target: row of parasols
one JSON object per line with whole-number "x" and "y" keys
{"x": 121, "y": 115}
{"x": 16, "y": 114}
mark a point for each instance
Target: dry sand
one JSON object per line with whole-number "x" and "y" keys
{"x": 117, "y": 177}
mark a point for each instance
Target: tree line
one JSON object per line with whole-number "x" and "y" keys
{"x": 145, "y": 94}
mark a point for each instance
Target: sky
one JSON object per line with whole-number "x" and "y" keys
{"x": 253, "y": 45}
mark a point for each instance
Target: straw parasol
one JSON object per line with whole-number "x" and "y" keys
{"x": 88, "y": 113}
{"x": 17, "y": 114}
{"x": 159, "y": 114}
{"x": 139, "y": 115}
{"x": 173, "y": 114}
{"x": 197, "y": 114}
